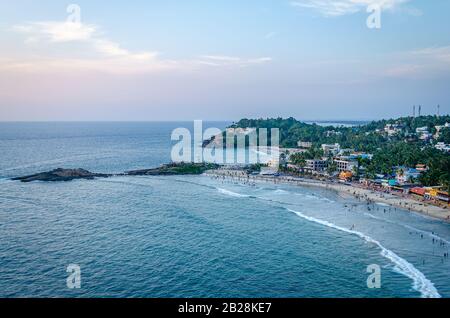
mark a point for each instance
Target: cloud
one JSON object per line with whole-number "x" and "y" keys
{"x": 331, "y": 8}
{"x": 441, "y": 54}
{"x": 220, "y": 60}
{"x": 57, "y": 31}
{"x": 424, "y": 62}
{"x": 109, "y": 56}
{"x": 64, "y": 32}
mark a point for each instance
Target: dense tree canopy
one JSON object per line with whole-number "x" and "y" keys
{"x": 389, "y": 151}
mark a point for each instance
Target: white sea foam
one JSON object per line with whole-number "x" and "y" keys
{"x": 232, "y": 194}
{"x": 420, "y": 282}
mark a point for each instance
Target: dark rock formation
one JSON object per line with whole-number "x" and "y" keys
{"x": 61, "y": 175}
{"x": 72, "y": 174}
{"x": 174, "y": 169}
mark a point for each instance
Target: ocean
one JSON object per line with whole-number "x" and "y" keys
{"x": 193, "y": 236}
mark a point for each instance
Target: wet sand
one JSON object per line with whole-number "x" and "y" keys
{"x": 367, "y": 195}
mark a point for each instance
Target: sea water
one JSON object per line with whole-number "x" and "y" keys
{"x": 193, "y": 236}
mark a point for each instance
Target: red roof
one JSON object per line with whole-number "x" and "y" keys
{"x": 419, "y": 191}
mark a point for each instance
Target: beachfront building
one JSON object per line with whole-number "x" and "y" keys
{"x": 268, "y": 171}
{"x": 345, "y": 164}
{"x": 331, "y": 149}
{"x": 406, "y": 175}
{"x": 316, "y": 165}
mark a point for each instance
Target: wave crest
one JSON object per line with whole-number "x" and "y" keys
{"x": 420, "y": 282}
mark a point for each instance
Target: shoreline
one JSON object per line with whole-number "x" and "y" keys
{"x": 367, "y": 195}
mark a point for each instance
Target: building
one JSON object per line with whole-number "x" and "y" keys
{"x": 440, "y": 128}
{"x": 362, "y": 155}
{"x": 316, "y": 165}
{"x": 421, "y": 167}
{"x": 442, "y": 147}
{"x": 426, "y": 136}
{"x": 304, "y": 144}
{"x": 393, "y": 129}
{"x": 406, "y": 175}
{"x": 331, "y": 149}
{"x": 423, "y": 133}
{"x": 345, "y": 164}
{"x": 331, "y": 133}
{"x": 268, "y": 171}
{"x": 421, "y": 130}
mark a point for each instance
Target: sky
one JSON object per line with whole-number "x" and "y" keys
{"x": 222, "y": 59}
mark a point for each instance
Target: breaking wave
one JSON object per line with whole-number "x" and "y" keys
{"x": 420, "y": 282}
{"x": 232, "y": 194}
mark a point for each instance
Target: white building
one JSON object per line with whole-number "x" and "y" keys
{"x": 331, "y": 149}
{"x": 421, "y": 130}
{"x": 304, "y": 144}
{"x": 423, "y": 133}
{"x": 442, "y": 147}
{"x": 426, "y": 136}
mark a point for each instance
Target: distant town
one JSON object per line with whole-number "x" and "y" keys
{"x": 408, "y": 156}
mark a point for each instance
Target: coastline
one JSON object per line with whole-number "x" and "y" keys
{"x": 367, "y": 195}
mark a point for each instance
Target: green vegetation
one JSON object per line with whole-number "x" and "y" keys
{"x": 187, "y": 168}
{"x": 400, "y": 149}
{"x": 361, "y": 138}
{"x": 181, "y": 168}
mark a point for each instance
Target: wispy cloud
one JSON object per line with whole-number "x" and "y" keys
{"x": 221, "y": 60}
{"x": 56, "y": 31}
{"x": 63, "y": 32}
{"x": 108, "y": 56}
{"x": 420, "y": 63}
{"x": 344, "y": 7}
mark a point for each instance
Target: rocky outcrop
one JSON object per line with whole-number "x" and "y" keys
{"x": 165, "y": 170}
{"x": 174, "y": 169}
{"x": 61, "y": 175}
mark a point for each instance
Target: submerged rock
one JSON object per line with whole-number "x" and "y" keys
{"x": 61, "y": 175}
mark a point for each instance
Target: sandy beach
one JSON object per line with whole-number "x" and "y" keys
{"x": 360, "y": 193}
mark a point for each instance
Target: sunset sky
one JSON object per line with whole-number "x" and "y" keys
{"x": 222, "y": 59}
